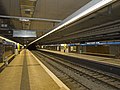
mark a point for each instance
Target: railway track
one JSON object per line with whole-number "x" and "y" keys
{"x": 83, "y": 78}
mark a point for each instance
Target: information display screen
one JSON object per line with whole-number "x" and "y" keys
{"x": 24, "y": 33}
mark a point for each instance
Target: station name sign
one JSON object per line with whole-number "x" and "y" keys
{"x": 24, "y": 33}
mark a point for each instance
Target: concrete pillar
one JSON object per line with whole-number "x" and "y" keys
{"x": 57, "y": 48}
{"x": 79, "y": 49}
{"x": 83, "y": 48}
{"x": 16, "y": 51}
{"x": 69, "y": 49}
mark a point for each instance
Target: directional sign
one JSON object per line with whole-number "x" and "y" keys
{"x": 24, "y": 33}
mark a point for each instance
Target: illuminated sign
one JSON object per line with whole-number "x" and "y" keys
{"x": 24, "y": 33}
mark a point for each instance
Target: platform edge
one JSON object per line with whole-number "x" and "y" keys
{"x": 54, "y": 77}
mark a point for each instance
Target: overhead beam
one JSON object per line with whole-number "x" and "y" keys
{"x": 27, "y": 18}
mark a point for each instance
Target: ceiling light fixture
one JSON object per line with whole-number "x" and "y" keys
{"x": 28, "y": 10}
{"x": 24, "y": 19}
{"x": 33, "y": 0}
{"x": 89, "y": 8}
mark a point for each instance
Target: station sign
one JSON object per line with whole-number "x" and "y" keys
{"x": 24, "y": 33}
{"x": 74, "y": 44}
{"x": 100, "y": 43}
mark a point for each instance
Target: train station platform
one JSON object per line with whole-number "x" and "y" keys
{"x": 26, "y": 72}
{"x": 104, "y": 60}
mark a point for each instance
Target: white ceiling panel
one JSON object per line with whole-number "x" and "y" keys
{"x": 49, "y": 9}
{"x": 57, "y": 9}
{"x": 54, "y": 9}
{"x": 37, "y": 25}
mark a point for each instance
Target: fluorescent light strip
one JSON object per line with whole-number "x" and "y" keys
{"x": 9, "y": 40}
{"x": 33, "y": 0}
{"x": 95, "y": 7}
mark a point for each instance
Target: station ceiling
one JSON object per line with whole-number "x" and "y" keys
{"x": 46, "y": 9}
